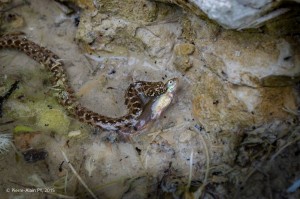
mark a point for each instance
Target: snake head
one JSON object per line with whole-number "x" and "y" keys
{"x": 172, "y": 85}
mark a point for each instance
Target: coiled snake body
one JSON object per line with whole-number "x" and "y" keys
{"x": 66, "y": 95}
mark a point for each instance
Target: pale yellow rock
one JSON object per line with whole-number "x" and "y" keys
{"x": 74, "y": 133}
{"x": 184, "y": 49}
{"x": 182, "y": 63}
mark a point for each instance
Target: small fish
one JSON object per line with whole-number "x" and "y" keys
{"x": 155, "y": 107}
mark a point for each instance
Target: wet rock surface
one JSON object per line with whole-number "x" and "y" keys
{"x": 232, "y": 125}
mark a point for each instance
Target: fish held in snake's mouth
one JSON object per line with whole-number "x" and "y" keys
{"x": 154, "y": 108}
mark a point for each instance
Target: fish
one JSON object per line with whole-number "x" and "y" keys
{"x": 155, "y": 107}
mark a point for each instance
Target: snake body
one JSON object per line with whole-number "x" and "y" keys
{"x": 66, "y": 95}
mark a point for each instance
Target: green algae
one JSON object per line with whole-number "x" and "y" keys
{"x": 23, "y": 129}
{"x": 38, "y": 110}
{"x": 51, "y": 119}
{"x": 41, "y": 115}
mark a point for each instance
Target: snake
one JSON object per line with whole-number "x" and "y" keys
{"x": 154, "y": 107}
{"x": 66, "y": 96}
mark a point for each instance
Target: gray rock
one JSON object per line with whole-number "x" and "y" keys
{"x": 235, "y": 14}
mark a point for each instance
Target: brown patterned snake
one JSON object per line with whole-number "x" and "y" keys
{"x": 66, "y": 95}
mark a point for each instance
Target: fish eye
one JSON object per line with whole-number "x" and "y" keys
{"x": 170, "y": 82}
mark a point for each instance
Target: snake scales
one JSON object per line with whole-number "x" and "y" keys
{"x": 66, "y": 95}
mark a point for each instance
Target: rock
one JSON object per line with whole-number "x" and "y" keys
{"x": 5, "y": 143}
{"x": 131, "y": 9}
{"x": 74, "y": 133}
{"x": 184, "y": 49}
{"x": 34, "y": 155}
{"x": 12, "y": 21}
{"x": 234, "y": 14}
{"x": 221, "y": 106}
{"x": 5, "y": 1}
{"x": 232, "y": 82}
{"x": 234, "y": 75}
{"x": 186, "y": 136}
{"x": 182, "y": 61}
{"x": 26, "y": 140}
{"x": 119, "y": 29}
{"x": 85, "y": 4}
{"x": 254, "y": 59}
